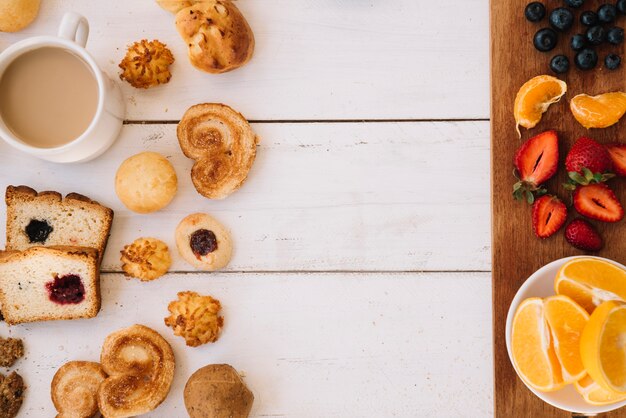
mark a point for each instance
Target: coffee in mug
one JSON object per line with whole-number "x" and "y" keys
{"x": 48, "y": 97}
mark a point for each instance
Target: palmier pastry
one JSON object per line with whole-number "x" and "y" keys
{"x": 218, "y": 36}
{"x": 140, "y": 365}
{"x": 74, "y": 388}
{"x": 203, "y": 242}
{"x": 195, "y": 318}
{"x": 223, "y": 145}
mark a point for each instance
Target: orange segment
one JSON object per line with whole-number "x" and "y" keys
{"x": 566, "y": 320}
{"x": 599, "y": 111}
{"x": 532, "y": 349}
{"x": 534, "y": 98}
{"x": 595, "y": 394}
{"x": 591, "y": 281}
{"x": 603, "y": 346}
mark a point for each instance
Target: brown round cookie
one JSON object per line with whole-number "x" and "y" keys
{"x": 203, "y": 242}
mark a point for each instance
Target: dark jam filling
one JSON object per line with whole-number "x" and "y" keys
{"x": 38, "y": 231}
{"x": 66, "y": 290}
{"x": 203, "y": 242}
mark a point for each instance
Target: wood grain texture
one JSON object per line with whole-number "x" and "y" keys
{"x": 314, "y": 59}
{"x": 322, "y": 196}
{"x": 516, "y": 252}
{"x": 310, "y": 345}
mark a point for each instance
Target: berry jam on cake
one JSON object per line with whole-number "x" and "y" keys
{"x": 66, "y": 289}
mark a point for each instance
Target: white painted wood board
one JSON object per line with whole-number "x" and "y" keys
{"x": 314, "y": 59}
{"x": 323, "y": 196}
{"x": 310, "y": 345}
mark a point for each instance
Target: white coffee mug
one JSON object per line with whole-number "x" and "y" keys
{"x": 109, "y": 117}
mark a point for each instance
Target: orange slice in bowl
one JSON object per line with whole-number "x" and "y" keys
{"x": 599, "y": 111}
{"x": 591, "y": 281}
{"x": 534, "y": 98}
{"x": 595, "y": 394}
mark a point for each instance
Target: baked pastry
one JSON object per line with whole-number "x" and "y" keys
{"x": 140, "y": 365}
{"x": 74, "y": 388}
{"x": 195, "y": 318}
{"x": 11, "y": 349}
{"x": 174, "y": 6}
{"x": 11, "y": 395}
{"x": 15, "y": 15}
{"x": 146, "y": 259}
{"x": 146, "y": 64}
{"x": 217, "y": 391}
{"x": 203, "y": 242}
{"x": 46, "y": 218}
{"x": 223, "y": 145}
{"x": 218, "y": 36}
{"x": 48, "y": 283}
{"x": 146, "y": 182}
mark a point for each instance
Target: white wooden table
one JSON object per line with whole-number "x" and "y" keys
{"x": 360, "y": 284}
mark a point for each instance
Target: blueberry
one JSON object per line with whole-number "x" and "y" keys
{"x": 38, "y": 231}
{"x": 586, "y": 59}
{"x": 535, "y": 11}
{"x": 559, "y": 64}
{"x": 621, "y": 6}
{"x": 561, "y": 19}
{"x": 612, "y": 61}
{"x": 578, "y": 42}
{"x": 615, "y": 35}
{"x": 545, "y": 39}
{"x": 574, "y": 3}
{"x": 595, "y": 35}
{"x": 607, "y": 13}
{"x": 589, "y": 18}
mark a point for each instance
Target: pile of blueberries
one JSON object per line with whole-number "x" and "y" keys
{"x": 599, "y": 29}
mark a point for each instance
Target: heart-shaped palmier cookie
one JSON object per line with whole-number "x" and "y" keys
{"x": 74, "y": 388}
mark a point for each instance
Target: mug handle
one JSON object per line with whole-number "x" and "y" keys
{"x": 75, "y": 28}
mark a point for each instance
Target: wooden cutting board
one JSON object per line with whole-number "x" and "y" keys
{"x": 516, "y": 251}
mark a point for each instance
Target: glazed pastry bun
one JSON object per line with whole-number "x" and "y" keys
{"x": 74, "y": 388}
{"x": 223, "y": 145}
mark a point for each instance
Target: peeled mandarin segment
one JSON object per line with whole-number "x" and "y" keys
{"x": 532, "y": 349}
{"x": 566, "y": 320}
{"x": 603, "y": 346}
{"x": 595, "y": 394}
{"x": 534, "y": 98}
{"x": 599, "y": 111}
{"x": 590, "y": 282}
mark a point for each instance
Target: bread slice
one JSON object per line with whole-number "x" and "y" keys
{"x": 49, "y": 283}
{"x": 48, "y": 219}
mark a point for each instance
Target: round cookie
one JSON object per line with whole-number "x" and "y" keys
{"x": 146, "y": 182}
{"x": 15, "y": 15}
{"x": 203, "y": 242}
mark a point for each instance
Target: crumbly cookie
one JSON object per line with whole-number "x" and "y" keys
{"x": 146, "y": 182}
{"x": 195, "y": 318}
{"x": 15, "y": 15}
{"x": 203, "y": 242}
{"x": 11, "y": 395}
{"x": 218, "y": 36}
{"x": 146, "y": 259}
{"x": 11, "y": 349}
{"x": 146, "y": 64}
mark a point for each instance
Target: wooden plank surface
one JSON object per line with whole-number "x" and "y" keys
{"x": 414, "y": 345}
{"x": 314, "y": 59}
{"x": 349, "y": 196}
{"x": 516, "y": 252}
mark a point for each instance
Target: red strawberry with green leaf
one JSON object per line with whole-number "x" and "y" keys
{"x": 588, "y": 162}
{"x": 582, "y": 235}
{"x": 549, "y": 215}
{"x": 597, "y": 201}
{"x": 535, "y": 162}
{"x": 617, "y": 152}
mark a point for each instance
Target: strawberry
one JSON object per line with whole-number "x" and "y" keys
{"x": 617, "y": 152}
{"x": 597, "y": 201}
{"x": 588, "y": 162}
{"x": 549, "y": 215}
{"x": 582, "y": 235}
{"x": 535, "y": 161}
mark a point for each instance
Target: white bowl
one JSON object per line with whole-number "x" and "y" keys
{"x": 541, "y": 284}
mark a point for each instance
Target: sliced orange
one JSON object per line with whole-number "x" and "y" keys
{"x": 534, "y": 98}
{"x": 595, "y": 394}
{"x": 599, "y": 111}
{"x": 532, "y": 349}
{"x": 591, "y": 281}
{"x": 603, "y": 346}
